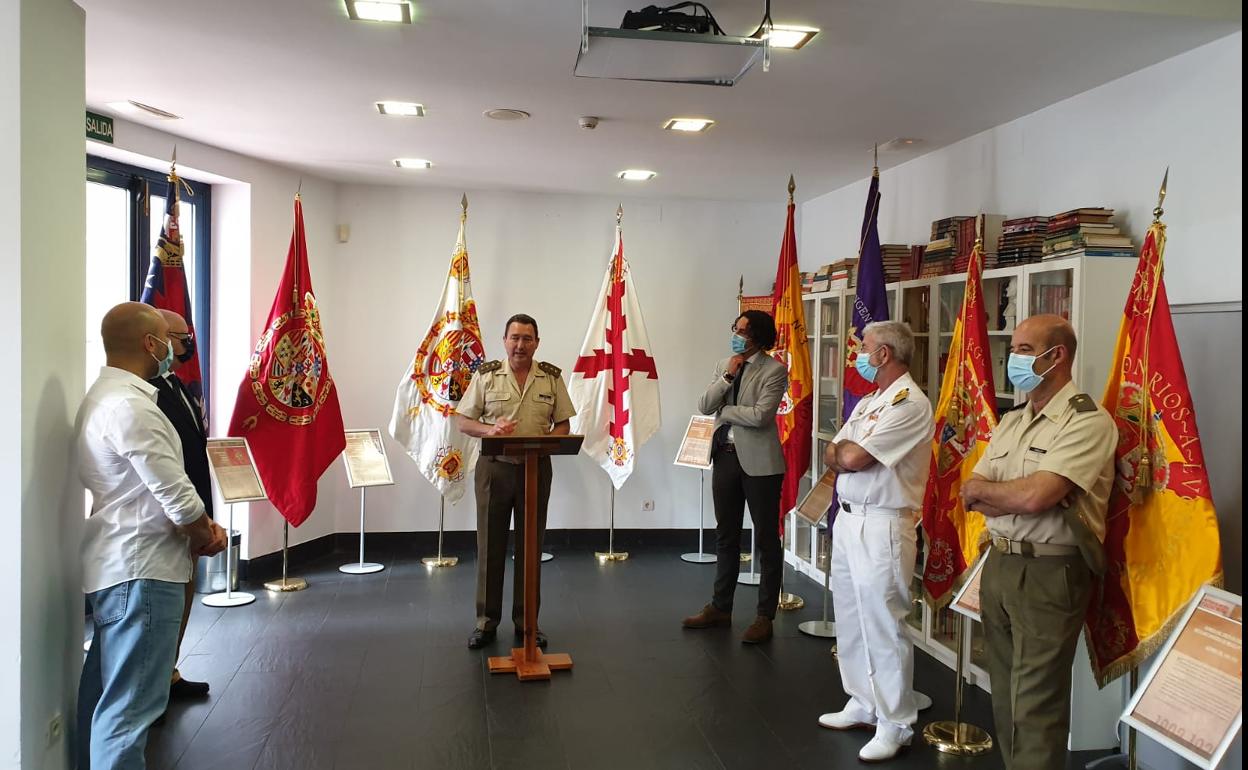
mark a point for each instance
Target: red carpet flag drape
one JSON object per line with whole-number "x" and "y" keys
{"x": 437, "y": 379}
{"x": 287, "y": 406}
{"x": 793, "y": 420}
{"x": 615, "y": 385}
{"x": 1161, "y": 542}
{"x": 165, "y": 287}
{"x": 966, "y": 415}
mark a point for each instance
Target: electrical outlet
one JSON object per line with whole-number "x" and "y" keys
{"x": 55, "y": 729}
{"x": 647, "y": 505}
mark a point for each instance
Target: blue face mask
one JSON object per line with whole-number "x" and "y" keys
{"x": 862, "y": 362}
{"x": 166, "y": 363}
{"x": 1021, "y": 371}
{"x": 739, "y": 344}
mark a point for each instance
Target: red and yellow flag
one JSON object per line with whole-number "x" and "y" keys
{"x": 793, "y": 420}
{"x": 1161, "y": 542}
{"x": 965, "y": 418}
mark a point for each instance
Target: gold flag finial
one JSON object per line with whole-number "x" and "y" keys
{"x": 875, "y": 156}
{"x": 979, "y": 231}
{"x": 792, "y": 187}
{"x": 174, "y": 162}
{"x": 619, "y": 213}
{"x": 299, "y": 190}
{"x": 740, "y": 287}
{"x": 463, "y": 205}
{"x": 1161, "y": 196}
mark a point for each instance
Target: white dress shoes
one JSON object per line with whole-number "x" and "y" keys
{"x": 886, "y": 744}
{"x": 845, "y": 719}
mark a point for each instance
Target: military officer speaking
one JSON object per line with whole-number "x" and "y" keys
{"x": 505, "y": 398}
{"x": 881, "y": 456}
{"x": 1043, "y": 483}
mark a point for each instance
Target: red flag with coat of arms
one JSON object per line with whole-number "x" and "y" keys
{"x": 287, "y": 406}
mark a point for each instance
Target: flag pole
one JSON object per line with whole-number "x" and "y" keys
{"x": 440, "y": 560}
{"x": 961, "y": 739}
{"x": 611, "y": 554}
{"x": 286, "y": 584}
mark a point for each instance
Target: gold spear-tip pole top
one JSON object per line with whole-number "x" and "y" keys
{"x": 740, "y": 287}
{"x": 979, "y": 231}
{"x": 299, "y": 190}
{"x": 463, "y": 207}
{"x": 875, "y": 159}
{"x": 1161, "y": 196}
{"x": 619, "y": 213}
{"x": 792, "y": 188}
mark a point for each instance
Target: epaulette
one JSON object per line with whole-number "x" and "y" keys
{"x": 901, "y": 396}
{"x": 550, "y": 369}
{"x": 489, "y": 366}
{"x": 1082, "y": 402}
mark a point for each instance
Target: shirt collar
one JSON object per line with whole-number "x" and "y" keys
{"x": 1057, "y": 405}
{"x": 123, "y": 377}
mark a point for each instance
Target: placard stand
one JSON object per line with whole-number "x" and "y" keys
{"x": 286, "y": 584}
{"x": 611, "y": 554}
{"x": 956, "y": 737}
{"x": 701, "y": 557}
{"x": 529, "y": 662}
{"x": 229, "y": 597}
{"x": 363, "y": 567}
{"x": 824, "y": 629}
{"x": 440, "y": 560}
{"x": 751, "y": 578}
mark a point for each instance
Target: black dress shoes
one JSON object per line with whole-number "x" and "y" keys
{"x": 480, "y": 637}
{"x": 184, "y": 689}
{"x": 541, "y": 638}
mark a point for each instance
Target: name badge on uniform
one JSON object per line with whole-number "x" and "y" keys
{"x": 546, "y": 398}
{"x": 1037, "y": 450}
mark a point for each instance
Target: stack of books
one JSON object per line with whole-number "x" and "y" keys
{"x": 947, "y": 235}
{"x": 1022, "y": 240}
{"x": 1088, "y": 232}
{"x": 915, "y": 267}
{"x": 896, "y": 258}
{"x": 843, "y": 270}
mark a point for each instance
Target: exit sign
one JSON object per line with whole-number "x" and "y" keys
{"x": 99, "y": 127}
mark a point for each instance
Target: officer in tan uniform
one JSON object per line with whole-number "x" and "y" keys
{"x": 1043, "y": 483}
{"x": 511, "y": 397}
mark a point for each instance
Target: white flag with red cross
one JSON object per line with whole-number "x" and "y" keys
{"x": 614, "y": 385}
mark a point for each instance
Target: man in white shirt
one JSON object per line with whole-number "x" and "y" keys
{"x": 146, "y": 522}
{"x": 881, "y": 456}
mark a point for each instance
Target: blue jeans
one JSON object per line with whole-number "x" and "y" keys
{"x": 125, "y": 679}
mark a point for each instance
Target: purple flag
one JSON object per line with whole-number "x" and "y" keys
{"x": 871, "y": 303}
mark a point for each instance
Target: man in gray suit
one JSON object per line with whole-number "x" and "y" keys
{"x": 748, "y": 467}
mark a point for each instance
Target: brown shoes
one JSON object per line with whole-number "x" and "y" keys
{"x": 708, "y": 617}
{"x": 759, "y": 631}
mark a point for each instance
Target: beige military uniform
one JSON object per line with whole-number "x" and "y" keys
{"x": 541, "y": 404}
{"x": 1036, "y": 585}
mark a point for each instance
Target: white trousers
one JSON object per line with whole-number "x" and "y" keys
{"x": 872, "y": 565}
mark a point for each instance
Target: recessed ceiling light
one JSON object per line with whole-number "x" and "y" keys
{"x": 380, "y": 10}
{"x": 789, "y": 36}
{"x": 690, "y": 125}
{"x": 140, "y": 110}
{"x": 505, "y": 113}
{"x": 412, "y": 163}
{"x": 402, "y": 109}
{"x": 636, "y": 175}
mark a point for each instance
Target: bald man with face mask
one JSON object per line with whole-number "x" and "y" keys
{"x": 146, "y": 523}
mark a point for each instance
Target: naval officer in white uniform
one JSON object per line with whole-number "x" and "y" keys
{"x": 882, "y": 456}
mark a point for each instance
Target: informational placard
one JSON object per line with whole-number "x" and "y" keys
{"x": 814, "y": 506}
{"x": 695, "y": 447}
{"x": 365, "y": 458}
{"x": 1192, "y": 699}
{"x": 966, "y": 600}
{"x": 235, "y": 470}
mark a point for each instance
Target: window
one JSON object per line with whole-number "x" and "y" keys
{"x": 125, "y": 213}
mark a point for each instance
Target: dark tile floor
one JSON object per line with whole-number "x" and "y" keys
{"x": 372, "y": 672}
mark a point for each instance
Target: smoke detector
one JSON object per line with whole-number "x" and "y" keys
{"x": 506, "y": 113}
{"x": 588, "y": 122}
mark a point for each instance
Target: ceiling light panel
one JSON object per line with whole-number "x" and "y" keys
{"x": 379, "y": 10}
{"x": 401, "y": 109}
{"x": 688, "y": 125}
{"x": 412, "y": 163}
{"x": 636, "y": 175}
{"x": 789, "y": 36}
{"x": 135, "y": 109}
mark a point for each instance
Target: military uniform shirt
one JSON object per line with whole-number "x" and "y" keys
{"x": 494, "y": 394}
{"x": 1073, "y": 437}
{"x": 895, "y": 426}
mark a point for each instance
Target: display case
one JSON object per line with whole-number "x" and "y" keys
{"x": 931, "y": 307}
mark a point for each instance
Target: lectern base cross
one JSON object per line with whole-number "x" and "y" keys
{"x": 529, "y": 662}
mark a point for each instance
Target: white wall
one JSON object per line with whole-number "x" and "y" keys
{"x": 544, "y": 255}
{"x": 1108, "y": 146}
{"x": 253, "y": 214}
{"x": 42, "y": 205}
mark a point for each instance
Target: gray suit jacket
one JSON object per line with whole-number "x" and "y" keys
{"x": 754, "y": 416}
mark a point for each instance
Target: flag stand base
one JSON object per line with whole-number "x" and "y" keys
{"x": 440, "y": 560}
{"x": 953, "y": 736}
{"x": 790, "y": 602}
{"x": 286, "y": 584}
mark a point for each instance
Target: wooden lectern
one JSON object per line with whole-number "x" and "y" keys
{"x": 528, "y": 661}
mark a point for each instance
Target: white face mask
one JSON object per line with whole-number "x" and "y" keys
{"x": 165, "y": 364}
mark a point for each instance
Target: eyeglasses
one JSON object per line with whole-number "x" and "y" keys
{"x": 183, "y": 336}
{"x": 742, "y": 332}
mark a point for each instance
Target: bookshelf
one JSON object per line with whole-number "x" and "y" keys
{"x": 1089, "y": 291}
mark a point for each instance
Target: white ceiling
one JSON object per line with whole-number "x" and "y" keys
{"x": 294, "y": 81}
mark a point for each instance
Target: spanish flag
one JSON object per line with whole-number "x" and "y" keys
{"x": 965, "y": 418}
{"x": 1161, "y": 542}
{"x": 793, "y": 420}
